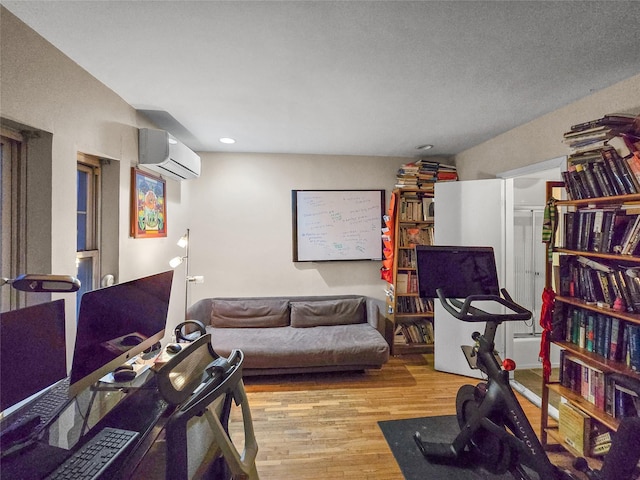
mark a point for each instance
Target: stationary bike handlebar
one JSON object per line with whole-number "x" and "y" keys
{"x": 466, "y": 312}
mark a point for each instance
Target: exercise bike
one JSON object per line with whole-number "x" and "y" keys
{"x": 493, "y": 427}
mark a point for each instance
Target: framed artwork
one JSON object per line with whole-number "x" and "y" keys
{"x": 148, "y": 205}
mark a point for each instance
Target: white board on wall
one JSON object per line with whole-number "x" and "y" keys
{"x": 331, "y": 225}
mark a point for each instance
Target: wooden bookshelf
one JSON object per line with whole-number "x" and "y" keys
{"x": 411, "y": 316}
{"x": 581, "y": 298}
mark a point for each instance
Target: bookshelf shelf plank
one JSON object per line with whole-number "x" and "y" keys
{"x": 590, "y": 409}
{"x": 604, "y": 256}
{"x": 560, "y": 440}
{"x": 402, "y": 317}
{"x": 412, "y": 348}
{"x": 596, "y": 360}
{"x": 611, "y": 200}
{"x": 576, "y": 302}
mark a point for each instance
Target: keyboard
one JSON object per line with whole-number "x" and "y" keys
{"x": 51, "y": 402}
{"x": 30, "y": 420}
{"x": 95, "y": 456}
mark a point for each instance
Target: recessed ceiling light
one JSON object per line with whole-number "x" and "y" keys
{"x": 426, "y": 146}
{"x": 173, "y": 141}
{"x": 227, "y": 140}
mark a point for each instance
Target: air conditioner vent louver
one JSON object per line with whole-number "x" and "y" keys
{"x": 172, "y": 158}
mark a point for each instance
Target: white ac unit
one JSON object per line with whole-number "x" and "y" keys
{"x": 163, "y": 153}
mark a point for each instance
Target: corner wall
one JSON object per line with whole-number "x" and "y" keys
{"x": 42, "y": 89}
{"x": 541, "y": 139}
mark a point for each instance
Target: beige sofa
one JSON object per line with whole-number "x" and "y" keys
{"x": 297, "y": 334}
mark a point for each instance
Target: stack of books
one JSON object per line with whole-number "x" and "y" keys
{"x": 423, "y": 174}
{"x": 603, "y": 157}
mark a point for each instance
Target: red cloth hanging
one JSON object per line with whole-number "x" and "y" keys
{"x": 546, "y": 321}
{"x": 386, "y": 271}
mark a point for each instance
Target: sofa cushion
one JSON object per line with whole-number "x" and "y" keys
{"x": 288, "y": 347}
{"x": 250, "y": 313}
{"x": 344, "y": 311}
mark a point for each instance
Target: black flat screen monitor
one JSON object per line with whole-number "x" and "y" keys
{"x": 458, "y": 271}
{"x": 34, "y": 354}
{"x": 116, "y": 323}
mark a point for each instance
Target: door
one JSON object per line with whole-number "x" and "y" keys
{"x": 529, "y": 261}
{"x": 469, "y": 213}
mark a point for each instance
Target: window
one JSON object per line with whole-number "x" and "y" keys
{"x": 88, "y": 223}
{"x": 12, "y": 212}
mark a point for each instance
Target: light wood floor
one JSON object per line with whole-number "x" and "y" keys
{"x": 325, "y": 426}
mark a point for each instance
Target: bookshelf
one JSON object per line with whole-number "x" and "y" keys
{"x": 595, "y": 273}
{"x": 411, "y": 316}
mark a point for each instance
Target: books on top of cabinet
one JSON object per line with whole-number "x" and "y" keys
{"x": 423, "y": 174}
{"x": 604, "y": 157}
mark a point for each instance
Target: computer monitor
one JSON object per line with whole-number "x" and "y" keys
{"x": 116, "y": 323}
{"x": 34, "y": 356}
{"x": 458, "y": 271}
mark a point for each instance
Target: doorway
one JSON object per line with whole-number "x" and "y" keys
{"x": 528, "y": 268}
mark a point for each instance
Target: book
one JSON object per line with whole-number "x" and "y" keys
{"x": 574, "y": 426}
{"x": 402, "y": 283}
{"x": 615, "y": 349}
{"x": 620, "y": 121}
{"x": 634, "y": 347}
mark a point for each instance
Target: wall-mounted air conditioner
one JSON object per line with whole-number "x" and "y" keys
{"x": 163, "y": 153}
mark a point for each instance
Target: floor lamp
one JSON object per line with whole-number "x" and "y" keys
{"x": 174, "y": 262}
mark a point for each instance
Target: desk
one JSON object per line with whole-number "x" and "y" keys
{"x": 140, "y": 409}
{"x": 199, "y": 388}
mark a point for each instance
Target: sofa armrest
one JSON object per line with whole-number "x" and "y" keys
{"x": 201, "y": 311}
{"x": 376, "y": 315}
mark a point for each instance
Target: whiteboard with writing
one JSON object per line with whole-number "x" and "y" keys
{"x": 337, "y": 225}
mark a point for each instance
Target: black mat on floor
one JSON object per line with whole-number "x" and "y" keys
{"x": 414, "y": 466}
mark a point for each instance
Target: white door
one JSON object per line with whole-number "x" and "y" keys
{"x": 469, "y": 213}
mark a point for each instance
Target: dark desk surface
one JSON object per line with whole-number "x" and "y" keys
{"x": 140, "y": 409}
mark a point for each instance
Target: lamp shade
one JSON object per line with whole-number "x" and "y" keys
{"x": 183, "y": 241}
{"x": 175, "y": 261}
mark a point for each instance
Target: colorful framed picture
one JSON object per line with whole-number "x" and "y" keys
{"x": 148, "y": 205}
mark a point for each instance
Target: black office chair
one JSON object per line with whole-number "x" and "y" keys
{"x": 201, "y": 383}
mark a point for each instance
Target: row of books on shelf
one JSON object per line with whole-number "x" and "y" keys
{"x": 423, "y": 174}
{"x": 615, "y": 394}
{"x": 601, "y": 283}
{"x": 583, "y": 433}
{"x": 603, "y": 160}
{"x": 416, "y": 207}
{"x": 407, "y": 258}
{"x": 406, "y": 282}
{"x": 409, "y": 236}
{"x": 415, "y": 332}
{"x": 413, "y": 304}
{"x": 605, "y": 335}
{"x": 603, "y": 230}
{"x": 601, "y": 174}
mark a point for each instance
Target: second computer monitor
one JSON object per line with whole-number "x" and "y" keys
{"x": 457, "y": 270}
{"x": 116, "y": 323}
{"x": 34, "y": 356}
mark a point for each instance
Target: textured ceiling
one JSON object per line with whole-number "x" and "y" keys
{"x": 350, "y": 77}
